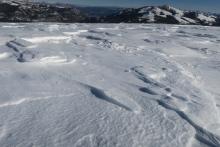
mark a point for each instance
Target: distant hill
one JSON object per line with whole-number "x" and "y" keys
{"x": 23, "y": 11}
{"x": 99, "y": 11}
{"x": 162, "y": 14}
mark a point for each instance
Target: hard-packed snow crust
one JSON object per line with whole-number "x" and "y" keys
{"x": 124, "y": 85}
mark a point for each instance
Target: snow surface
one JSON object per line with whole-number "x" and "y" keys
{"x": 109, "y": 85}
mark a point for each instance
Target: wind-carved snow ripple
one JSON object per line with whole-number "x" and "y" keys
{"x": 102, "y": 33}
{"x": 2, "y": 131}
{"x": 214, "y": 65}
{"x": 124, "y": 103}
{"x": 205, "y": 36}
{"x": 25, "y": 51}
{"x": 21, "y": 51}
{"x": 147, "y": 90}
{"x": 146, "y": 79}
{"x": 86, "y": 141}
{"x": 108, "y": 44}
{"x": 166, "y": 101}
{"x": 101, "y": 95}
{"x": 30, "y": 99}
{"x": 201, "y": 50}
{"x": 202, "y": 134}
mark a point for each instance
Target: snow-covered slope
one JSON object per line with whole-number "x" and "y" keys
{"x": 106, "y": 85}
{"x": 163, "y": 14}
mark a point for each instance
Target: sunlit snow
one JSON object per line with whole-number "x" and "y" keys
{"x": 109, "y": 85}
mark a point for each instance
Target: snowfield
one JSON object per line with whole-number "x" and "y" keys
{"x": 109, "y": 85}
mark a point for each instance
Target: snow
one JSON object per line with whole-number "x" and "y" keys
{"x": 124, "y": 85}
{"x": 177, "y": 11}
{"x": 149, "y": 13}
{"x": 75, "y": 33}
{"x": 206, "y": 18}
{"x": 145, "y": 10}
{"x": 43, "y": 39}
{"x": 4, "y": 55}
{"x": 54, "y": 60}
{"x": 149, "y": 17}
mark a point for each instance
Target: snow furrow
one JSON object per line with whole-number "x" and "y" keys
{"x": 201, "y": 134}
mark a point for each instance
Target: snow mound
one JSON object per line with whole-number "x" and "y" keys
{"x": 46, "y": 39}
{"x": 53, "y": 60}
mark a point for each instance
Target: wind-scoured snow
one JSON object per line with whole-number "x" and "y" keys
{"x": 106, "y": 85}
